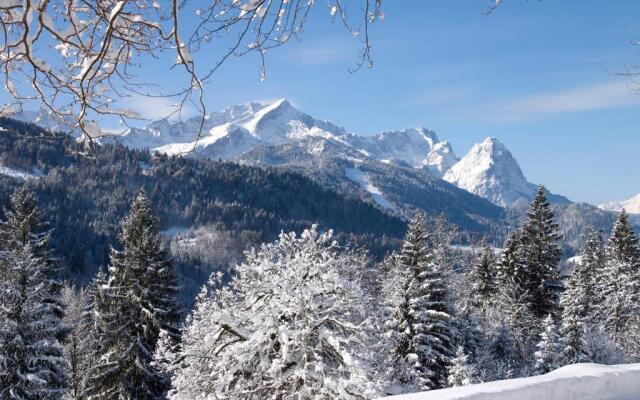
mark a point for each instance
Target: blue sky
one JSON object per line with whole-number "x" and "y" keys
{"x": 543, "y": 76}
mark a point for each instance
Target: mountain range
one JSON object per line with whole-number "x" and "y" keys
{"x": 276, "y": 133}
{"x": 485, "y": 192}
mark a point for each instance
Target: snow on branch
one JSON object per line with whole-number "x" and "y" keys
{"x": 80, "y": 58}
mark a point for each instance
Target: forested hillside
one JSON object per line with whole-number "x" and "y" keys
{"x": 85, "y": 196}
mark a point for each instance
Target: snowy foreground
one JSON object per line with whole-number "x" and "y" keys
{"x": 573, "y": 382}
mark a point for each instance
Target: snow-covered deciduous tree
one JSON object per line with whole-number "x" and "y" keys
{"x": 79, "y": 344}
{"x": 138, "y": 302}
{"x": 167, "y": 355}
{"x": 461, "y": 371}
{"x": 578, "y": 301}
{"x": 289, "y": 325}
{"x": 548, "y": 347}
{"x": 32, "y": 364}
{"x": 100, "y": 48}
{"x": 421, "y": 332}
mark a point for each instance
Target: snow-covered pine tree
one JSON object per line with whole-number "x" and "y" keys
{"x": 421, "y": 331}
{"x": 548, "y": 347}
{"x": 483, "y": 276}
{"x": 541, "y": 256}
{"x": 621, "y": 284}
{"x": 461, "y": 371}
{"x": 31, "y": 309}
{"x": 509, "y": 268}
{"x": 95, "y": 312}
{"x": 512, "y": 309}
{"x": 578, "y": 301}
{"x": 289, "y": 325}
{"x": 78, "y": 345}
{"x": 500, "y": 358}
{"x": 135, "y": 305}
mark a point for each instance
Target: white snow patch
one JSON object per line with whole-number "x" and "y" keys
{"x": 573, "y": 382}
{"x": 467, "y": 248}
{"x": 19, "y": 174}
{"x": 362, "y": 179}
{"x": 575, "y": 260}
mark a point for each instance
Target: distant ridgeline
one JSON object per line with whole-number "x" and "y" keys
{"x": 86, "y": 197}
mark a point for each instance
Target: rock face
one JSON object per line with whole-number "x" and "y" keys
{"x": 490, "y": 171}
{"x": 632, "y": 206}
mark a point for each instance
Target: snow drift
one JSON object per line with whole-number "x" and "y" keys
{"x": 573, "y": 382}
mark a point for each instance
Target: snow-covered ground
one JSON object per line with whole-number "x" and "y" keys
{"x": 573, "y": 382}
{"x": 362, "y": 179}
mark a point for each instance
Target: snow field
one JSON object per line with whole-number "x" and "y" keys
{"x": 573, "y": 382}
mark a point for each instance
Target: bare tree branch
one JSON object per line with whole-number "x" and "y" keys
{"x": 79, "y": 59}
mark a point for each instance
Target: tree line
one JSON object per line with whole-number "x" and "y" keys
{"x": 307, "y": 317}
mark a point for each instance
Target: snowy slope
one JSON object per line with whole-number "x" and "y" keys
{"x": 632, "y": 205}
{"x": 490, "y": 171}
{"x": 356, "y": 175}
{"x": 573, "y": 382}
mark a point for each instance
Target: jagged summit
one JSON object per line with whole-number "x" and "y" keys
{"x": 632, "y": 206}
{"x": 441, "y": 158}
{"x": 489, "y": 170}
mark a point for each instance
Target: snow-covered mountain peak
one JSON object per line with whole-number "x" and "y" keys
{"x": 632, "y": 206}
{"x": 441, "y": 158}
{"x": 410, "y": 146}
{"x": 489, "y": 170}
{"x": 492, "y": 148}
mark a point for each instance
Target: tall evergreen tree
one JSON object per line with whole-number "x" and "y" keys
{"x": 95, "y": 312}
{"x": 621, "y": 284}
{"x": 135, "y": 305}
{"x": 483, "y": 276}
{"x": 79, "y": 344}
{"x": 421, "y": 329}
{"x": 541, "y": 256}
{"x": 579, "y": 300}
{"x": 31, "y": 309}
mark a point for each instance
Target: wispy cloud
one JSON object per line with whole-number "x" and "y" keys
{"x": 600, "y": 96}
{"x": 157, "y": 107}
{"x": 322, "y": 53}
